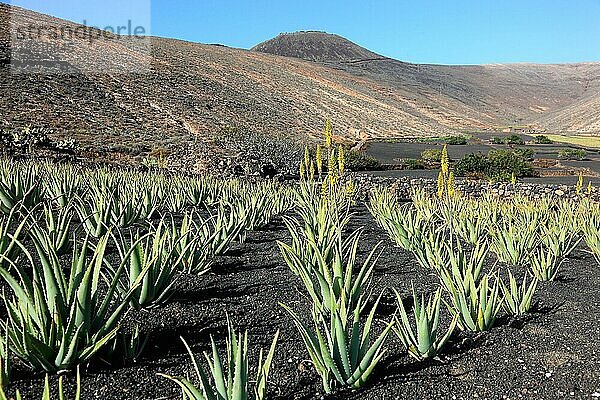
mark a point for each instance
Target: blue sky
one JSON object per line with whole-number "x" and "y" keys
{"x": 424, "y": 31}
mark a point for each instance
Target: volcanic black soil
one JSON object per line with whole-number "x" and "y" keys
{"x": 553, "y": 353}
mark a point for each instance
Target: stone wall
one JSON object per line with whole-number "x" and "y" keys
{"x": 403, "y": 187}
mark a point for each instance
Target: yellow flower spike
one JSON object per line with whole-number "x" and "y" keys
{"x": 328, "y": 133}
{"x": 445, "y": 161}
{"x": 579, "y": 183}
{"x": 440, "y": 185}
{"x": 451, "y": 185}
{"x": 589, "y": 188}
{"x": 324, "y": 187}
{"x": 319, "y": 157}
{"x": 312, "y": 170}
{"x": 341, "y": 160}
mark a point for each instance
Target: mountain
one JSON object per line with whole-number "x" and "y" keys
{"x": 553, "y": 97}
{"x": 315, "y": 46}
{"x": 194, "y": 94}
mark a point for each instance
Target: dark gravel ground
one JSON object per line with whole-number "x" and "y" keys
{"x": 553, "y": 353}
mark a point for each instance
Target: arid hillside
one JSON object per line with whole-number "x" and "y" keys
{"x": 547, "y": 97}
{"x": 193, "y": 92}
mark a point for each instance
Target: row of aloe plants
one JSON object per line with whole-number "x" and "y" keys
{"x": 464, "y": 241}
{"x": 61, "y": 316}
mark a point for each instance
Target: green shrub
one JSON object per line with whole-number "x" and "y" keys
{"x": 496, "y": 165}
{"x": 543, "y": 139}
{"x": 505, "y": 163}
{"x": 473, "y": 164}
{"x": 514, "y": 139}
{"x": 456, "y": 140}
{"x": 572, "y": 154}
{"x": 359, "y": 161}
{"x": 411, "y": 163}
{"x": 525, "y": 153}
{"x": 431, "y": 155}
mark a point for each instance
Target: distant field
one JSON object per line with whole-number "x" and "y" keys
{"x": 585, "y": 141}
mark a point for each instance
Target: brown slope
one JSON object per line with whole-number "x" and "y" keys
{"x": 194, "y": 91}
{"x": 199, "y": 89}
{"x": 511, "y": 94}
{"x": 582, "y": 116}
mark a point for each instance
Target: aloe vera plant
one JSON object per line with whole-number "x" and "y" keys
{"x": 544, "y": 265}
{"x": 469, "y": 226}
{"x": 462, "y": 267}
{"x": 426, "y": 341}
{"x": 513, "y": 242}
{"x": 591, "y": 235}
{"x": 403, "y": 224}
{"x": 20, "y": 187}
{"x": 518, "y": 299}
{"x": 228, "y": 379}
{"x": 124, "y": 348}
{"x": 477, "y": 308}
{"x": 153, "y": 261}
{"x": 5, "y": 362}
{"x": 558, "y": 238}
{"x": 56, "y": 322}
{"x": 341, "y": 349}
{"x": 47, "y": 393}
{"x": 9, "y": 249}
{"x": 198, "y": 241}
{"x": 334, "y": 281}
{"x": 62, "y": 186}
{"x": 127, "y": 206}
{"x": 94, "y": 211}
{"x": 55, "y": 230}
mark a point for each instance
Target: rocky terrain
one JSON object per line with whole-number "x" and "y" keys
{"x": 193, "y": 93}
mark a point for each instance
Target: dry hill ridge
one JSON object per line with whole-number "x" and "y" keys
{"x": 196, "y": 91}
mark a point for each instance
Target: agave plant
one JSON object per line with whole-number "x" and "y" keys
{"x": 9, "y": 249}
{"x": 426, "y": 341}
{"x": 513, "y": 242}
{"x": 518, "y": 299}
{"x": 544, "y": 264}
{"x": 95, "y": 210}
{"x": 46, "y": 394}
{"x": 341, "y": 349}
{"x": 62, "y": 186}
{"x": 20, "y": 187}
{"x": 56, "y": 321}
{"x": 477, "y": 308}
{"x": 56, "y": 229}
{"x": 228, "y": 379}
{"x": 153, "y": 261}
{"x": 333, "y": 281}
{"x": 591, "y": 234}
